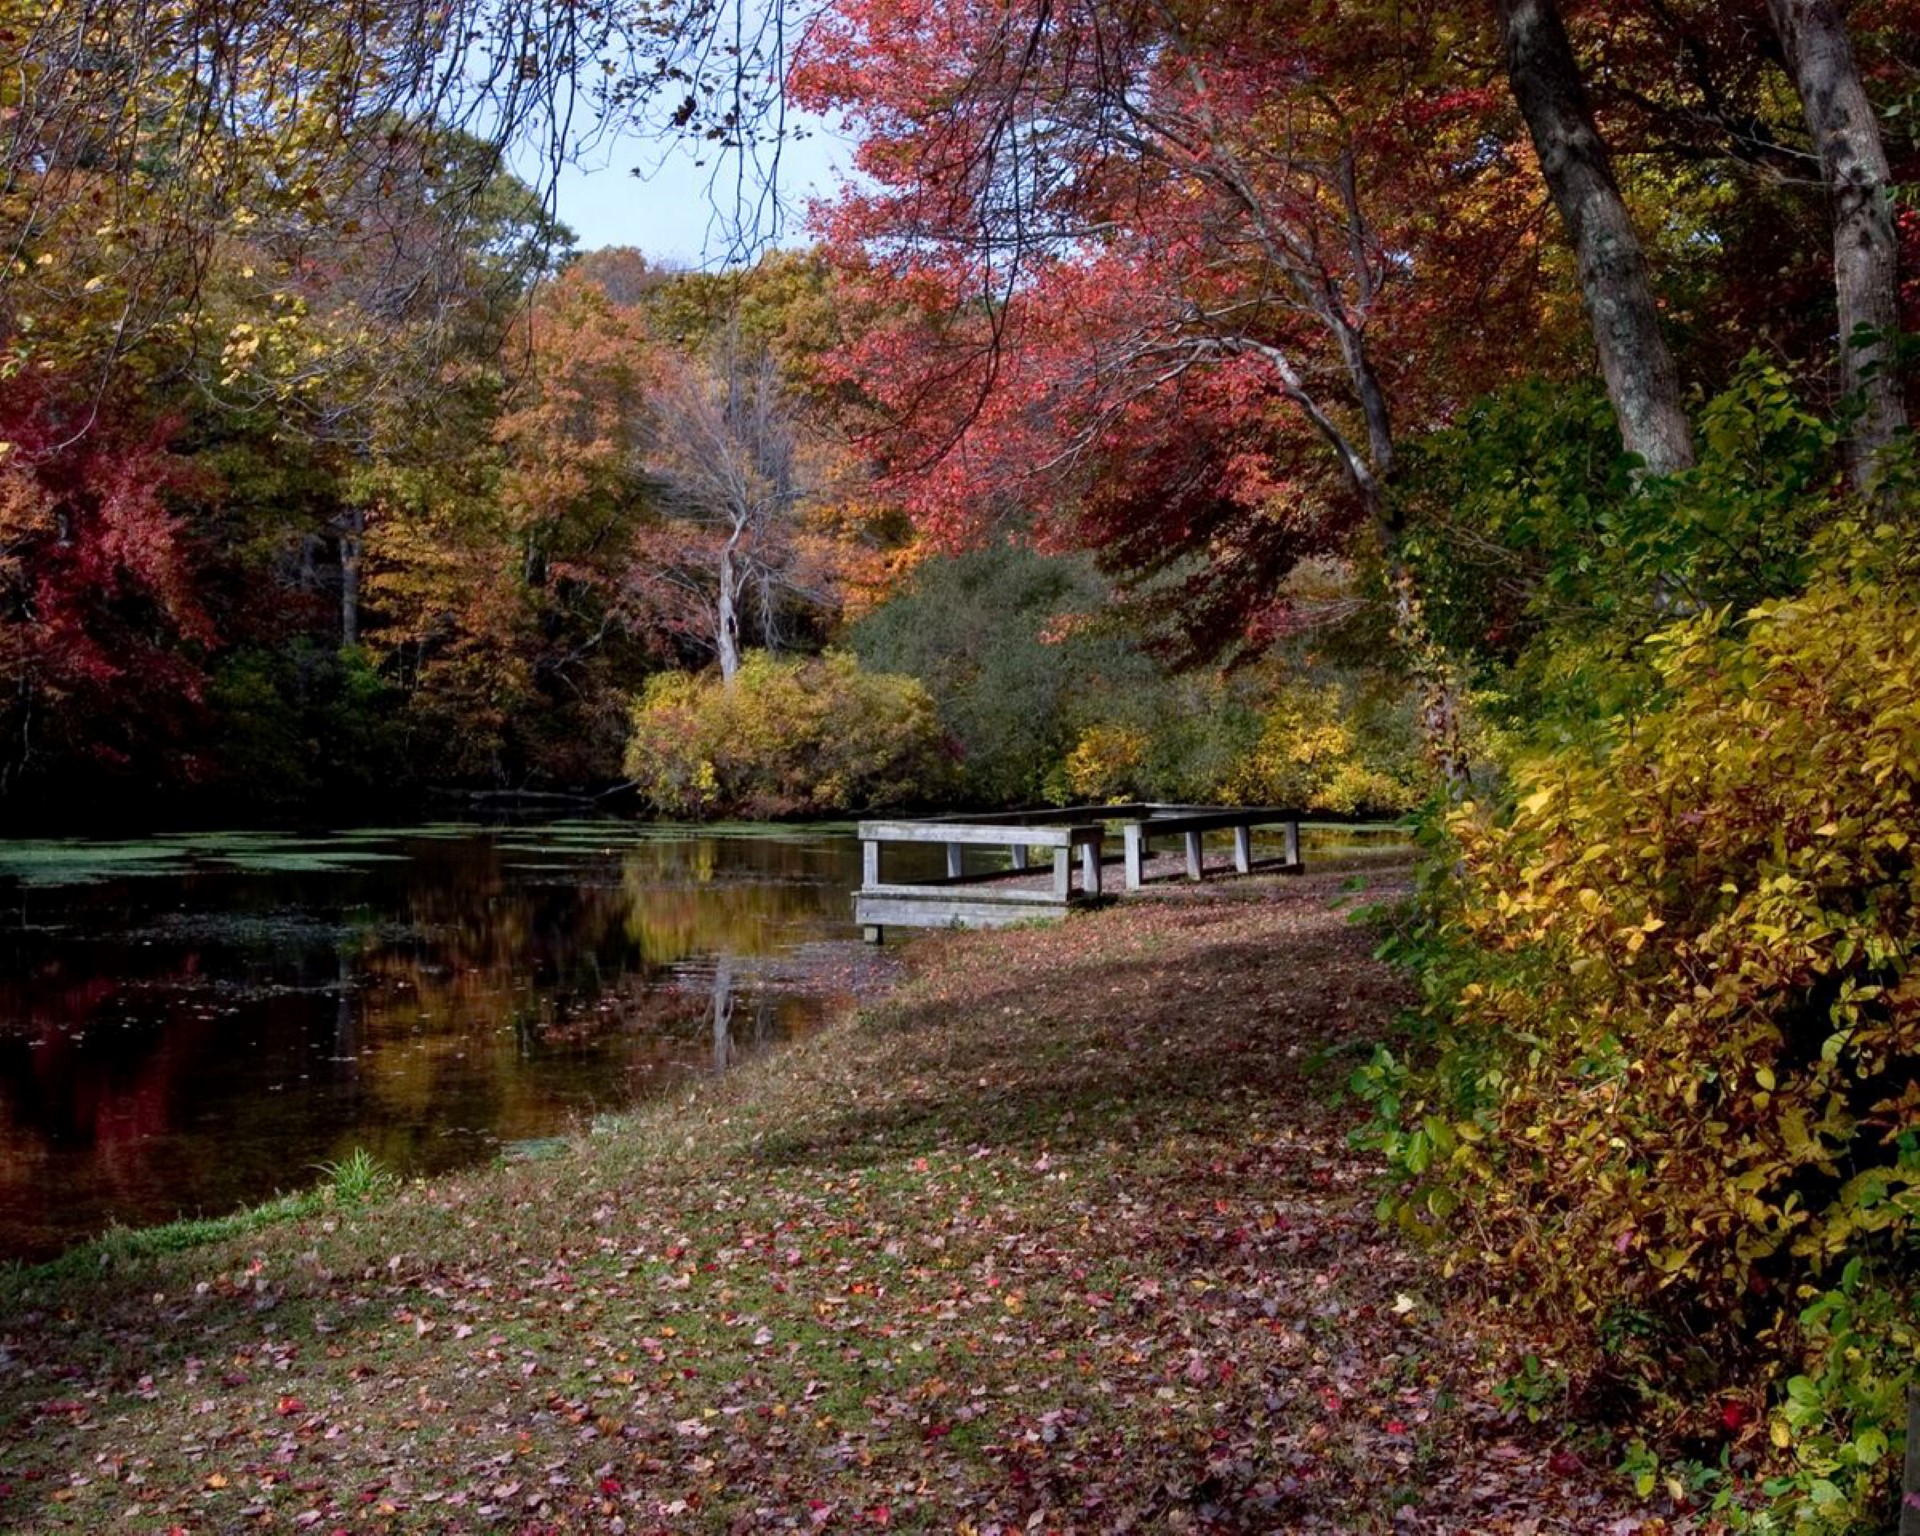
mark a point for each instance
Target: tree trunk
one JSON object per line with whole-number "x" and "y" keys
{"x": 726, "y": 636}
{"x": 1853, "y": 163}
{"x": 1641, "y": 378}
{"x": 353, "y": 527}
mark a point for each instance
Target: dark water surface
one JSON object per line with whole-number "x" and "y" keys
{"x": 192, "y": 1023}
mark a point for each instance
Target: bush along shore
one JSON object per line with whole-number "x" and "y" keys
{"x": 1065, "y": 1233}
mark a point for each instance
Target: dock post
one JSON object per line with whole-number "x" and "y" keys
{"x": 1193, "y": 856}
{"x": 1062, "y": 873}
{"x": 1243, "y": 849}
{"x": 1135, "y": 836}
{"x": 873, "y": 933}
{"x": 1293, "y": 843}
{"x": 1090, "y": 869}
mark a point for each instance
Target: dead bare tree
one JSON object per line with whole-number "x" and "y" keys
{"x": 728, "y": 461}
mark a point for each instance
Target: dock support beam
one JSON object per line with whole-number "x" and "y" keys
{"x": 1090, "y": 869}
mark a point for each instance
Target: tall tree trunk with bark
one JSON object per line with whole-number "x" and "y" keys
{"x": 1866, "y": 267}
{"x": 352, "y": 524}
{"x": 1634, "y": 359}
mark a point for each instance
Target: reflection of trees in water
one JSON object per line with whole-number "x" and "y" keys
{"x": 673, "y": 921}
{"x": 59, "y": 1096}
{"x": 216, "y": 1045}
{"x": 723, "y": 1013}
{"x": 671, "y": 901}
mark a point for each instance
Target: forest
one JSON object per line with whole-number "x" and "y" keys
{"x": 1496, "y": 412}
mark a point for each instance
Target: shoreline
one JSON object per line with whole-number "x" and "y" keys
{"x": 1060, "y": 1233}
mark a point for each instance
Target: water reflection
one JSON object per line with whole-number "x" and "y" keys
{"x": 195, "y": 1028}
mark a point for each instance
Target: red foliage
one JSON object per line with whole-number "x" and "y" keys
{"x": 1128, "y": 255}
{"x": 1103, "y": 233}
{"x": 100, "y": 627}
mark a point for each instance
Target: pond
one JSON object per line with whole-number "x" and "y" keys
{"x": 195, "y": 1022}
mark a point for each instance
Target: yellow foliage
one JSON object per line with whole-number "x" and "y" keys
{"x": 1683, "y": 1018}
{"x": 1103, "y": 763}
{"x": 1310, "y": 756}
{"x": 786, "y": 738}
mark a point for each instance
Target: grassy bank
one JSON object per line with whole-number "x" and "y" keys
{"x": 1062, "y": 1235}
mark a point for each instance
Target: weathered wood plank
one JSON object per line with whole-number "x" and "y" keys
{"x": 1243, "y": 849}
{"x": 1018, "y": 854}
{"x": 956, "y": 862}
{"x": 1135, "y": 842}
{"x": 972, "y": 888}
{"x": 960, "y": 912}
{"x": 972, "y": 877}
{"x": 1196, "y": 867}
{"x": 1217, "y": 821}
{"x": 1059, "y": 836}
{"x": 869, "y": 863}
{"x": 1293, "y": 842}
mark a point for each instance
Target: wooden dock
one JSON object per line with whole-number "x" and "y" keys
{"x": 1045, "y": 850}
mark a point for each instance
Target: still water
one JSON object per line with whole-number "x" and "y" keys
{"x": 192, "y": 1023}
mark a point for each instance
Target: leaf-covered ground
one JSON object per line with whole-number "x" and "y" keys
{"x": 1063, "y": 1234}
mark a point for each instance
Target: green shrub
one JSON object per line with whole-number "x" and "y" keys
{"x": 1544, "y": 561}
{"x": 1013, "y": 647}
{"x": 300, "y": 723}
{"x": 1674, "y": 1094}
{"x": 786, "y": 738}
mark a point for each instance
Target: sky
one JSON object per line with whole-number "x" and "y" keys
{"x": 680, "y": 213}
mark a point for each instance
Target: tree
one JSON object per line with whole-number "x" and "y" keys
{"x": 343, "y": 322}
{"x": 730, "y": 470}
{"x": 140, "y": 139}
{"x": 101, "y": 628}
{"x": 1635, "y": 360}
{"x": 573, "y": 429}
{"x": 1157, "y": 192}
{"x": 991, "y": 634}
{"x": 1180, "y": 273}
{"x": 1860, "y": 192}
